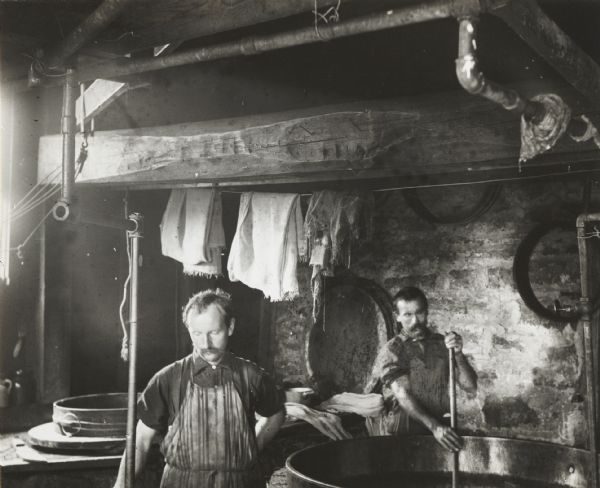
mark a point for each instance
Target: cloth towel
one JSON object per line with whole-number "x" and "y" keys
{"x": 268, "y": 242}
{"x": 328, "y": 424}
{"x": 192, "y": 232}
{"x": 367, "y": 405}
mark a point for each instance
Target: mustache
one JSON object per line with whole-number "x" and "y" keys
{"x": 210, "y": 350}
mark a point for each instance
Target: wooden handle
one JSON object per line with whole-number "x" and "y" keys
{"x": 452, "y": 393}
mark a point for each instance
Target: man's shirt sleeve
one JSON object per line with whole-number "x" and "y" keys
{"x": 270, "y": 398}
{"x": 152, "y": 405}
{"x": 392, "y": 363}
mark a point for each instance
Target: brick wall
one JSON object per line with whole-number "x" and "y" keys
{"x": 527, "y": 366}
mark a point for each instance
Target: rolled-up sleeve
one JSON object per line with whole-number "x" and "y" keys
{"x": 270, "y": 398}
{"x": 152, "y": 405}
{"x": 392, "y": 364}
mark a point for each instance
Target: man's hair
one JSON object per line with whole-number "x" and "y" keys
{"x": 202, "y": 300}
{"x": 411, "y": 294}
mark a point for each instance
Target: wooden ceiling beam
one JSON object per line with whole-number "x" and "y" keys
{"x": 446, "y": 133}
{"x": 547, "y": 39}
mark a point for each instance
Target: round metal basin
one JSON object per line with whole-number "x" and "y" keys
{"x": 101, "y": 415}
{"x": 420, "y": 462}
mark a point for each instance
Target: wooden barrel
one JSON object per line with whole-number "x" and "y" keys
{"x": 357, "y": 321}
{"x": 100, "y": 415}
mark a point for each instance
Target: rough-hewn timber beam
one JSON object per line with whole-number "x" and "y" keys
{"x": 546, "y": 38}
{"x": 447, "y": 133}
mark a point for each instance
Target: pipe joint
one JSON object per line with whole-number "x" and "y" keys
{"x": 468, "y": 74}
{"x": 138, "y": 222}
{"x": 68, "y": 123}
{"x": 61, "y": 210}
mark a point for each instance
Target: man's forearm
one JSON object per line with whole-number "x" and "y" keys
{"x": 443, "y": 434}
{"x": 267, "y": 427}
{"x": 143, "y": 441}
{"x": 412, "y": 407}
{"x": 467, "y": 378}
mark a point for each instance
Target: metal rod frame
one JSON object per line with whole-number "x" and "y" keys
{"x": 586, "y": 321}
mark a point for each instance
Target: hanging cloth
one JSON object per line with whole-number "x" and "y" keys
{"x": 210, "y": 443}
{"x": 192, "y": 231}
{"x": 335, "y": 222}
{"x": 268, "y": 242}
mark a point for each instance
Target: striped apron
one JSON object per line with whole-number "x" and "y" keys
{"x": 211, "y": 443}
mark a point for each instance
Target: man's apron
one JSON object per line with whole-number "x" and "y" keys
{"x": 211, "y": 443}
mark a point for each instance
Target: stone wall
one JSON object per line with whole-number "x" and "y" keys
{"x": 527, "y": 366}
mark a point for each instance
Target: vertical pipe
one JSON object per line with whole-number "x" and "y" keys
{"x": 41, "y": 316}
{"x": 132, "y": 396}
{"x": 7, "y": 185}
{"x": 452, "y": 392}
{"x": 590, "y": 374}
{"x": 68, "y": 132}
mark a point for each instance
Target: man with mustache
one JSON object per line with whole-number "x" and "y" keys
{"x": 204, "y": 406}
{"x": 412, "y": 371}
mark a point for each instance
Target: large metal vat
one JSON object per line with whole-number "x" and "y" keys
{"x": 420, "y": 462}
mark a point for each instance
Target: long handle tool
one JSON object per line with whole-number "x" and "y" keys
{"x": 452, "y": 391}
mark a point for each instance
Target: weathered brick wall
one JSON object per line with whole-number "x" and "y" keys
{"x": 527, "y": 366}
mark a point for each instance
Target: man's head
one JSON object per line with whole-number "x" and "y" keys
{"x": 208, "y": 317}
{"x": 410, "y": 308}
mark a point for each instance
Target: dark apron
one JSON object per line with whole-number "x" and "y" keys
{"x": 211, "y": 443}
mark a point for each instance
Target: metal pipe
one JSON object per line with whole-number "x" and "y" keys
{"x": 106, "y": 12}
{"x": 61, "y": 209}
{"x": 473, "y": 80}
{"x": 585, "y": 319}
{"x": 134, "y": 238}
{"x": 452, "y": 393}
{"x": 8, "y": 164}
{"x": 437, "y": 9}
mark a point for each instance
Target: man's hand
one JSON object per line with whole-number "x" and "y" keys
{"x": 447, "y": 438}
{"x": 453, "y": 341}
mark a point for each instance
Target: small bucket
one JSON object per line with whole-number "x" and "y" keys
{"x": 301, "y": 395}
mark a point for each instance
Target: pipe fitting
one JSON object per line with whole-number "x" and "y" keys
{"x": 61, "y": 211}
{"x": 472, "y": 79}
